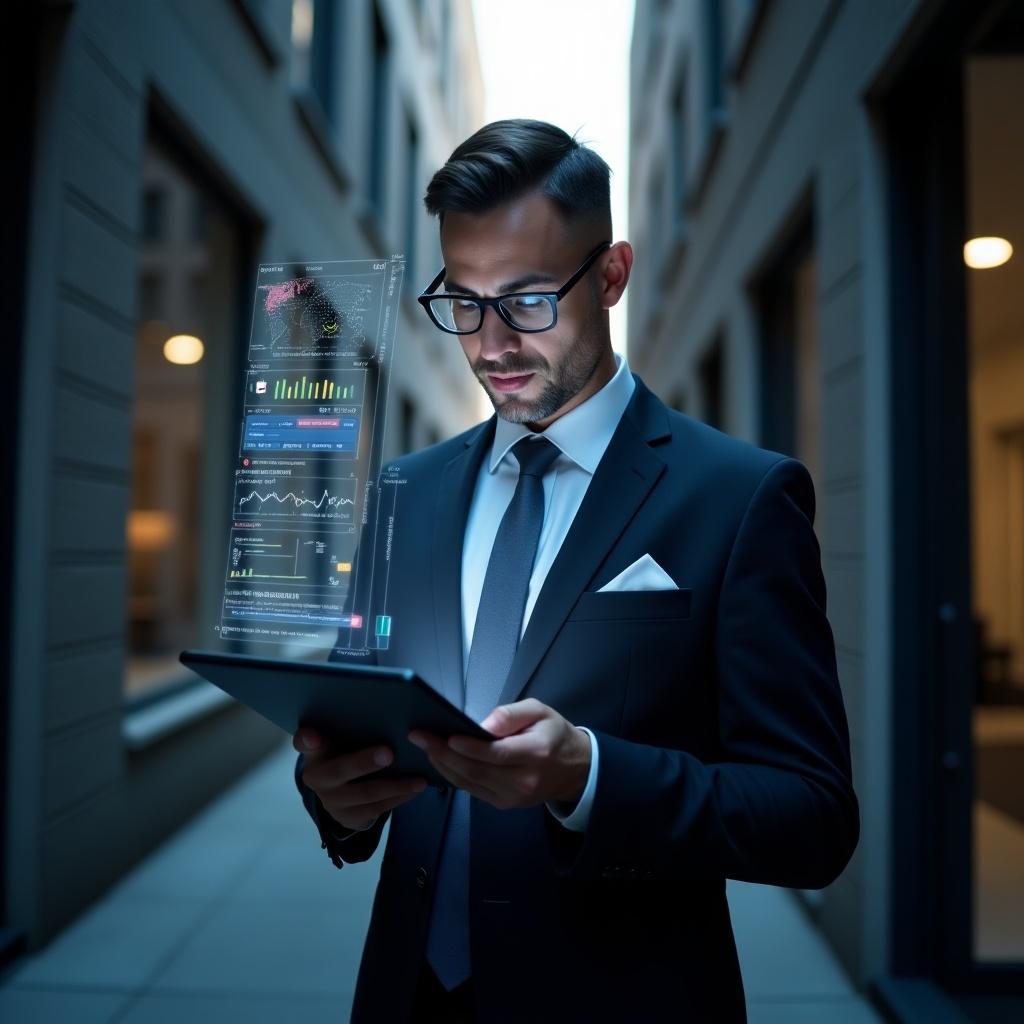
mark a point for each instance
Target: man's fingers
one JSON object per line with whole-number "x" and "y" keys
{"x": 307, "y": 740}
{"x": 335, "y": 770}
{"x": 359, "y": 794}
{"x": 519, "y": 749}
{"x": 506, "y": 719}
{"x": 361, "y": 813}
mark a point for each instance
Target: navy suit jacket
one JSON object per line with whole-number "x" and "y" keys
{"x": 724, "y": 749}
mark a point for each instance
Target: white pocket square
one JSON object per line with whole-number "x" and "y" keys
{"x": 643, "y": 574}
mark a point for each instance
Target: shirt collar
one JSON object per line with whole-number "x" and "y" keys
{"x": 582, "y": 433}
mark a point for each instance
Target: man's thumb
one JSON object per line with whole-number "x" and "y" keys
{"x": 504, "y": 720}
{"x": 308, "y": 739}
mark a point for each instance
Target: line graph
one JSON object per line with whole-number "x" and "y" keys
{"x": 333, "y": 501}
{"x": 290, "y": 498}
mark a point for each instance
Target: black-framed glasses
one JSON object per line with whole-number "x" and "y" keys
{"x": 528, "y": 312}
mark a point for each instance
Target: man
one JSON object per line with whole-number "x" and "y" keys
{"x": 633, "y": 602}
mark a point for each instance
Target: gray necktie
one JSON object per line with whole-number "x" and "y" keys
{"x": 495, "y": 639}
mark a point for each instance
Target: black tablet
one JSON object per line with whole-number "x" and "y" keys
{"x": 355, "y": 706}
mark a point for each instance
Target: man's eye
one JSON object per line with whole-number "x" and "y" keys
{"x": 462, "y": 305}
{"x": 529, "y": 301}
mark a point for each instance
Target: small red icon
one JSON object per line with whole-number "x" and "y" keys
{"x": 356, "y": 621}
{"x": 245, "y": 462}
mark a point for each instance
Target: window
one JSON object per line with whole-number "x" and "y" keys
{"x": 710, "y": 379}
{"x": 378, "y": 126}
{"x": 151, "y": 296}
{"x": 187, "y": 285}
{"x": 153, "y": 214}
{"x": 412, "y": 206}
{"x": 656, "y": 247}
{"x": 313, "y": 48}
{"x": 677, "y": 157}
{"x": 407, "y": 425}
{"x": 714, "y": 55}
{"x": 993, "y": 152}
{"x": 200, "y": 219}
{"x": 790, "y": 363}
{"x": 444, "y": 45}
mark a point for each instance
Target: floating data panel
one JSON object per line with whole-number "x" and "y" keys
{"x": 309, "y": 456}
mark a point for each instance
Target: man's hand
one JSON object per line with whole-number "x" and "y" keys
{"x": 540, "y": 758}
{"x": 331, "y": 776}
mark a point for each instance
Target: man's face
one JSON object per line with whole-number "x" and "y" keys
{"x": 521, "y": 246}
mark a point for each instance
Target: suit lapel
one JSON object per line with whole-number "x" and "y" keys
{"x": 623, "y": 479}
{"x": 454, "y": 494}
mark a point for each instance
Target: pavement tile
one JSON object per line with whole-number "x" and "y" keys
{"x": 851, "y": 1010}
{"x": 31, "y": 1006}
{"x": 297, "y": 869}
{"x": 270, "y": 947}
{"x": 118, "y": 944}
{"x": 172, "y": 1008}
{"x": 189, "y": 869}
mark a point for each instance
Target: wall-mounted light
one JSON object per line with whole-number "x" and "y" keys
{"x": 149, "y": 529}
{"x": 986, "y": 252}
{"x": 183, "y": 349}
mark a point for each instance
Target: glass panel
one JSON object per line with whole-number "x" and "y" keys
{"x": 187, "y": 287}
{"x": 995, "y": 208}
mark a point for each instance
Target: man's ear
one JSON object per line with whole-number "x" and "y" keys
{"x": 616, "y": 266}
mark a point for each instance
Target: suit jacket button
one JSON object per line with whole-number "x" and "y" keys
{"x": 421, "y": 877}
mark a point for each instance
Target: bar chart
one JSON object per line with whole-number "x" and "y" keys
{"x": 305, "y": 387}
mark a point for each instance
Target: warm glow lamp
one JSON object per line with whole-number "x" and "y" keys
{"x": 987, "y": 252}
{"x": 183, "y": 349}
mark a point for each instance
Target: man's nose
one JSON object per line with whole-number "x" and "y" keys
{"x": 496, "y": 337}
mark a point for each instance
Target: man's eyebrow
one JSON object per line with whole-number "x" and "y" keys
{"x": 509, "y": 286}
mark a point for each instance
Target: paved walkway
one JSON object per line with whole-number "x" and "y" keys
{"x": 240, "y": 917}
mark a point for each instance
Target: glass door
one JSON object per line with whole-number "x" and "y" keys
{"x": 994, "y": 259}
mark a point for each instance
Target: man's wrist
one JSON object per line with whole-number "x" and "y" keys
{"x": 570, "y": 799}
{"x": 336, "y": 827}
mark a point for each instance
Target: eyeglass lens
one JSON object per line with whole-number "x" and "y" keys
{"x": 530, "y": 312}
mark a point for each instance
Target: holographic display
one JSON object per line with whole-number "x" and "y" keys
{"x": 309, "y": 455}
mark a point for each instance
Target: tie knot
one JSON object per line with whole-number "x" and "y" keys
{"x": 535, "y": 456}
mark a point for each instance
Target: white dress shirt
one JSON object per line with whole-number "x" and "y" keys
{"x": 582, "y": 435}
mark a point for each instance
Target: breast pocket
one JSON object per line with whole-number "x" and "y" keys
{"x": 619, "y": 605}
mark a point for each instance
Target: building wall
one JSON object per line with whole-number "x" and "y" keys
{"x": 793, "y": 142}
{"x": 84, "y": 801}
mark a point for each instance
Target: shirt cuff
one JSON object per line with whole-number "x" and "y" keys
{"x": 333, "y": 826}
{"x": 577, "y": 820}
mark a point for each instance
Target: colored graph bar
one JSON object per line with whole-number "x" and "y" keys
{"x": 306, "y": 389}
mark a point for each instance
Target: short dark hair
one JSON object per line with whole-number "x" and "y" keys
{"x": 505, "y": 160}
